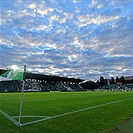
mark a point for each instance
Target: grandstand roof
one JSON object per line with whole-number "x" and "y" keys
{"x": 48, "y": 77}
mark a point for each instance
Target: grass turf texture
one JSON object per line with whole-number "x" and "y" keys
{"x": 102, "y": 119}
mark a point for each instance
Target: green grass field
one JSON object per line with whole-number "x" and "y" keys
{"x": 100, "y": 119}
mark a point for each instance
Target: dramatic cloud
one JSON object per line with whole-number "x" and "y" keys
{"x": 81, "y": 39}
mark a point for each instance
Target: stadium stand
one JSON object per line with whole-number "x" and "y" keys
{"x": 40, "y": 82}
{"x": 32, "y": 85}
{"x": 10, "y": 86}
{"x": 47, "y": 83}
{"x": 116, "y": 87}
{"x": 76, "y": 87}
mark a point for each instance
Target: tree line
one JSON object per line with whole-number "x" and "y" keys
{"x": 103, "y": 81}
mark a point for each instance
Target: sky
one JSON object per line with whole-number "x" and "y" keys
{"x": 73, "y": 38}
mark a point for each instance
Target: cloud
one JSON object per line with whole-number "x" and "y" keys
{"x": 81, "y": 39}
{"x": 32, "y": 6}
{"x": 24, "y": 13}
{"x": 54, "y": 18}
{"x": 100, "y": 6}
{"x": 89, "y": 19}
{"x": 68, "y": 15}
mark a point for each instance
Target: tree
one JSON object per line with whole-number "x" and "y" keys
{"x": 98, "y": 83}
{"x": 89, "y": 85}
{"x": 122, "y": 79}
{"x": 117, "y": 79}
{"x": 105, "y": 81}
{"x": 112, "y": 80}
{"x": 101, "y": 81}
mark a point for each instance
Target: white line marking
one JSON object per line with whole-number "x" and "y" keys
{"x": 56, "y": 116}
{"x": 9, "y": 118}
{"x": 29, "y": 116}
{"x": 28, "y": 123}
{"x": 89, "y": 108}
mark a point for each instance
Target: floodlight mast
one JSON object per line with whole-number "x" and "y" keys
{"x": 21, "y": 100}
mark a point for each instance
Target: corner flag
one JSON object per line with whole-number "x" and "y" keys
{"x": 13, "y": 74}
{"x": 18, "y": 73}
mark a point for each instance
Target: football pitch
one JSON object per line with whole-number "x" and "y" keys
{"x": 65, "y": 112}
